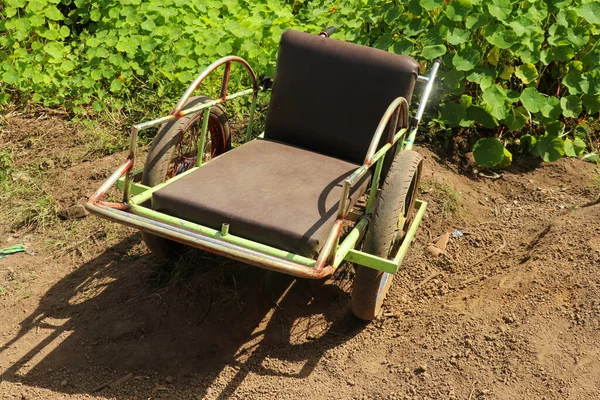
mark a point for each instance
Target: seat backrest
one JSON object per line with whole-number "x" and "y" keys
{"x": 329, "y": 96}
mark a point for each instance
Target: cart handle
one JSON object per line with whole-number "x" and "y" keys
{"x": 328, "y": 32}
{"x": 224, "y": 84}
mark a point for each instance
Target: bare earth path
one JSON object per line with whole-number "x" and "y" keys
{"x": 511, "y": 311}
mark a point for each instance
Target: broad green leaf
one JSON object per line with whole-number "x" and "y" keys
{"x": 538, "y": 11}
{"x": 458, "y": 36}
{"x": 528, "y": 142}
{"x": 513, "y": 96}
{"x": 402, "y": 46}
{"x": 555, "y": 128}
{"x": 97, "y": 106}
{"x": 577, "y": 36}
{"x": 466, "y": 59}
{"x": 572, "y": 81}
{"x": 569, "y": 148}
{"x": 466, "y": 100}
{"x": 116, "y": 85}
{"x": 507, "y": 72}
{"x": 517, "y": 118}
{"x": 11, "y": 77}
{"x": 65, "y": 31}
{"x": 581, "y": 131}
{"x": 579, "y": 146}
{"x": 484, "y": 77}
{"x": 563, "y": 53}
{"x": 67, "y": 65}
{"x": 431, "y": 4}
{"x": 522, "y": 25}
{"x": 452, "y": 113}
{"x": 393, "y": 14}
{"x": 457, "y": 10}
{"x": 571, "y": 106}
{"x": 16, "y": 3}
{"x": 126, "y": 45}
{"x": 500, "y": 36}
{"x": 499, "y": 112}
{"x": 566, "y": 17}
{"x": 477, "y": 20}
{"x": 482, "y": 116}
{"x": 53, "y": 13}
{"x": 431, "y": 52}
{"x": 550, "y": 148}
{"x": 148, "y": 25}
{"x": 592, "y": 103}
{"x": 532, "y": 100}
{"x": 95, "y": 15}
{"x": 54, "y": 49}
{"x": 591, "y": 157}
{"x": 527, "y": 73}
{"x": 551, "y": 109}
{"x": 590, "y": 12}
{"x": 506, "y": 159}
{"x": 500, "y": 9}
{"x": 495, "y": 96}
{"x": 493, "y": 56}
{"x": 488, "y": 152}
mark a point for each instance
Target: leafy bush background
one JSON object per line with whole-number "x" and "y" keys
{"x": 511, "y": 68}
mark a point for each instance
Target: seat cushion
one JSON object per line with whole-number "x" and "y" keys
{"x": 269, "y": 192}
{"x": 329, "y": 96}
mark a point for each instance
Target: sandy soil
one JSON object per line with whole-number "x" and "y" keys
{"x": 511, "y": 311}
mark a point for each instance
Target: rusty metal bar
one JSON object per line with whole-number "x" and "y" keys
{"x": 225, "y": 60}
{"x": 158, "y": 121}
{"x": 214, "y": 245}
{"x": 111, "y": 180}
{"x": 329, "y": 244}
{"x": 225, "y": 81}
{"x": 398, "y": 102}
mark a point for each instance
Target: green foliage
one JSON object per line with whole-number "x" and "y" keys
{"x": 488, "y": 152}
{"x": 509, "y": 66}
{"x": 5, "y": 166}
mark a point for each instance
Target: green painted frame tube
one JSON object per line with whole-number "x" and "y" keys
{"x": 383, "y": 264}
{"x": 146, "y": 195}
{"x": 202, "y": 139}
{"x": 251, "y": 119}
{"x": 374, "y": 186}
{"x": 134, "y": 187}
{"x": 159, "y": 121}
{"x": 213, "y": 233}
{"x": 412, "y": 231}
{"x": 350, "y": 241}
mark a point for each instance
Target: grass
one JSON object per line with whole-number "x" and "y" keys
{"x": 449, "y": 198}
{"x": 102, "y": 139}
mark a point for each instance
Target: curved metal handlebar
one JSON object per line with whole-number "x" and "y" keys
{"x": 225, "y": 60}
{"x": 401, "y": 116}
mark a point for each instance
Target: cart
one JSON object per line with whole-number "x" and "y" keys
{"x": 332, "y": 179}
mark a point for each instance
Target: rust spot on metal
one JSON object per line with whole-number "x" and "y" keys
{"x": 225, "y": 60}
{"x": 328, "y": 246}
{"x": 225, "y": 82}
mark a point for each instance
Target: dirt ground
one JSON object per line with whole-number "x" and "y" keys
{"x": 510, "y": 311}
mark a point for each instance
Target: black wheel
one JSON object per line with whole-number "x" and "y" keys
{"x": 394, "y": 211}
{"x": 175, "y": 150}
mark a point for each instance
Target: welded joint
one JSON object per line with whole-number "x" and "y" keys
{"x": 225, "y": 229}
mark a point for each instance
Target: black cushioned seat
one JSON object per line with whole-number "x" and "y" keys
{"x": 328, "y": 98}
{"x": 267, "y": 191}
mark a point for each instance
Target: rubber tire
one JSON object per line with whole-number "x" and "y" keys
{"x": 370, "y": 286}
{"x": 159, "y": 158}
